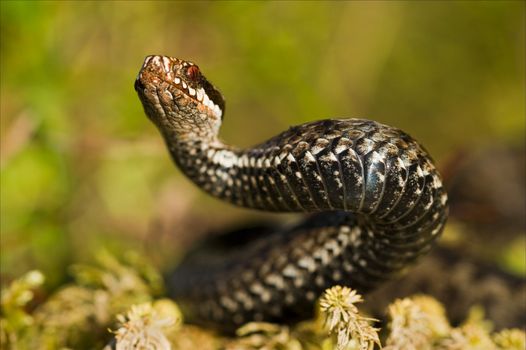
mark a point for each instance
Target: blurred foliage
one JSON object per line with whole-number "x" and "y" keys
{"x": 82, "y": 167}
{"x": 78, "y": 314}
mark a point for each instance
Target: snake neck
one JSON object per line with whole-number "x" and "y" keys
{"x": 191, "y": 135}
{"x": 210, "y": 164}
{"x": 239, "y": 176}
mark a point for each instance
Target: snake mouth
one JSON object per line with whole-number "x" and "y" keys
{"x": 139, "y": 86}
{"x": 183, "y": 76}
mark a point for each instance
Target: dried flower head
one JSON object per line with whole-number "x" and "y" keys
{"x": 436, "y": 314}
{"x": 409, "y": 327}
{"x": 468, "y": 337}
{"x": 342, "y": 317}
{"x": 511, "y": 339}
{"x": 473, "y": 334}
{"x": 142, "y": 328}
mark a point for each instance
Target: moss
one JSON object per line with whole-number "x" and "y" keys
{"x": 118, "y": 303}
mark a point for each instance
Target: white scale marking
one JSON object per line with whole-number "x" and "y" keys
{"x": 166, "y": 64}
{"x": 257, "y": 288}
{"x": 276, "y": 281}
{"x": 309, "y": 157}
{"x": 228, "y": 303}
{"x": 290, "y": 271}
{"x": 323, "y": 255}
{"x": 308, "y": 263}
{"x": 377, "y": 157}
{"x": 342, "y": 146}
{"x": 200, "y": 94}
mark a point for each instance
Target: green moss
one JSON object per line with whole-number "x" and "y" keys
{"x": 126, "y": 298}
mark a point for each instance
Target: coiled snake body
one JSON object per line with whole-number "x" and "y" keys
{"x": 378, "y": 201}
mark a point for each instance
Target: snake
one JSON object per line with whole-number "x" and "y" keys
{"x": 373, "y": 199}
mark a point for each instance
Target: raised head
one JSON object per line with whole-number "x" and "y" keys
{"x": 179, "y": 99}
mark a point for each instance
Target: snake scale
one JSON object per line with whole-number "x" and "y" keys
{"x": 375, "y": 199}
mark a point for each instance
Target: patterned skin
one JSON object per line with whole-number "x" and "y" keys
{"x": 377, "y": 199}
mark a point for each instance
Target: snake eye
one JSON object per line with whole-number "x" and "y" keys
{"x": 192, "y": 72}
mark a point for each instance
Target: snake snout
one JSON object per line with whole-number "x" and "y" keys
{"x": 157, "y": 63}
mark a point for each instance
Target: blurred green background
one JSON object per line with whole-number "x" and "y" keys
{"x": 83, "y": 168}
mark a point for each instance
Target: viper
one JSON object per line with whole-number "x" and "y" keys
{"x": 375, "y": 203}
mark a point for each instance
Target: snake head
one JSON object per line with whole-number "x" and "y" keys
{"x": 178, "y": 97}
